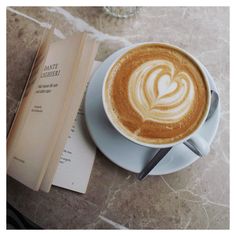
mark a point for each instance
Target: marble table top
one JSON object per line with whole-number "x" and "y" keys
{"x": 194, "y": 198}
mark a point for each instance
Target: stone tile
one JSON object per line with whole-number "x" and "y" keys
{"x": 194, "y": 198}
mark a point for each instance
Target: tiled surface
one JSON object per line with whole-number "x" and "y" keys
{"x": 194, "y": 198}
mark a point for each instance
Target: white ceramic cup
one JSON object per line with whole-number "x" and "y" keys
{"x": 196, "y": 140}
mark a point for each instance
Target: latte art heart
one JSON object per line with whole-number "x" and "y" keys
{"x": 160, "y": 93}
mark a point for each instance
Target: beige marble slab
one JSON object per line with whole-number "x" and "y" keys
{"x": 194, "y": 198}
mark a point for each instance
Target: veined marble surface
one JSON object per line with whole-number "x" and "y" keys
{"x": 194, "y": 198}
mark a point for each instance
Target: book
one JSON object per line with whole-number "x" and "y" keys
{"x": 48, "y": 108}
{"x": 76, "y": 162}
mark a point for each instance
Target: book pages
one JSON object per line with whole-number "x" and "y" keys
{"x": 75, "y": 166}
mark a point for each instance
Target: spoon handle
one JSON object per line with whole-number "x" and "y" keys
{"x": 151, "y": 164}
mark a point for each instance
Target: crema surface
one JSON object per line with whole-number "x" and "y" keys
{"x": 156, "y": 94}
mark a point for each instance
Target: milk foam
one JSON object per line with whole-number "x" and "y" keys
{"x": 160, "y": 93}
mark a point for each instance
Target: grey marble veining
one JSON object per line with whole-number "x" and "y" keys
{"x": 194, "y": 198}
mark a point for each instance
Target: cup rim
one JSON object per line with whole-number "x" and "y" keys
{"x": 152, "y": 145}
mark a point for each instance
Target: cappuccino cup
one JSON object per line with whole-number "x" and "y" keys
{"x": 157, "y": 95}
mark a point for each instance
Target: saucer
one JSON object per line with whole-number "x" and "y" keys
{"x": 121, "y": 151}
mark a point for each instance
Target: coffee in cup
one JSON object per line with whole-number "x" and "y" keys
{"x": 156, "y": 94}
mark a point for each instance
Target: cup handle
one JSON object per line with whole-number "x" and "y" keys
{"x": 198, "y": 145}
